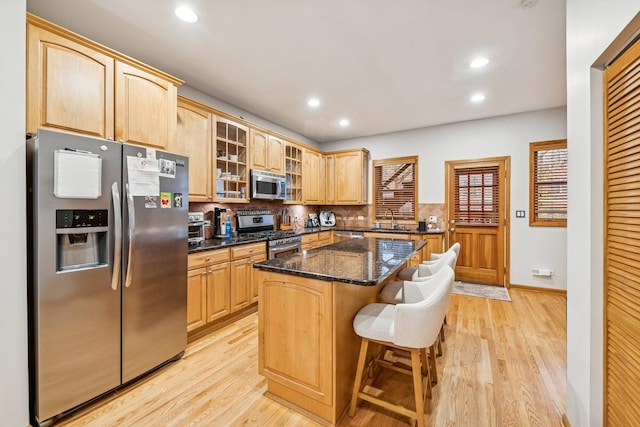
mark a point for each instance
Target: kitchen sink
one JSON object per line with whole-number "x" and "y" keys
{"x": 387, "y": 229}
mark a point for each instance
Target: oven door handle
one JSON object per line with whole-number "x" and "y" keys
{"x": 282, "y": 248}
{"x": 275, "y": 250}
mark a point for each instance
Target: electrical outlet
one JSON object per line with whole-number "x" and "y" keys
{"x": 433, "y": 219}
{"x": 295, "y": 218}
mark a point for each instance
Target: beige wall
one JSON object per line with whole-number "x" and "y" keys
{"x": 531, "y": 247}
{"x": 592, "y": 25}
{"x": 13, "y": 289}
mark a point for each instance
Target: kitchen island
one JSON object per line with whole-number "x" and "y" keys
{"x": 307, "y": 348}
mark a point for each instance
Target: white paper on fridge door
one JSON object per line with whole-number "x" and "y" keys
{"x": 144, "y": 176}
{"x": 77, "y": 174}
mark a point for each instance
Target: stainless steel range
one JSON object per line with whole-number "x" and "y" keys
{"x": 261, "y": 223}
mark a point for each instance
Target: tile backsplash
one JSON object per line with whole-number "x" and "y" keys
{"x": 359, "y": 216}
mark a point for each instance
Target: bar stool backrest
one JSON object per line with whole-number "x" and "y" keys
{"x": 417, "y": 325}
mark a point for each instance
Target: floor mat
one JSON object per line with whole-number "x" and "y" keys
{"x": 481, "y": 291}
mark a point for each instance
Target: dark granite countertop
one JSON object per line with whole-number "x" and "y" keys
{"x": 365, "y": 262}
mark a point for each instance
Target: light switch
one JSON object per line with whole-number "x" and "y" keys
{"x": 520, "y": 214}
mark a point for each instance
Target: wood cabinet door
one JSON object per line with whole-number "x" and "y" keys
{"x": 69, "y": 85}
{"x": 196, "y": 298}
{"x": 293, "y": 169}
{"x": 311, "y": 177}
{"x": 194, "y": 141}
{"x": 297, "y": 354}
{"x": 330, "y": 180}
{"x": 348, "y": 177}
{"x": 253, "y": 272}
{"x": 434, "y": 246}
{"x": 218, "y": 302}
{"x": 145, "y": 108}
{"x": 275, "y": 155}
{"x": 258, "y": 149}
{"x": 267, "y": 152}
{"x": 240, "y": 284}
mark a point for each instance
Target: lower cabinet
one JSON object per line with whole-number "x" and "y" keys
{"x": 196, "y": 298}
{"x": 434, "y": 245}
{"x": 207, "y": 287}
{"x": 316, "y": 240}
{"x": 220, "y": 282}
{"x": 242, "y": 260}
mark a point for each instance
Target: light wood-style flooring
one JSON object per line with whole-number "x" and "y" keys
{"x": 504, "y": 364}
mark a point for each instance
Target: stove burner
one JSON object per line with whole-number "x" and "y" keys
{"x": 274, "y": 237}
{"x": 259, "y": 225}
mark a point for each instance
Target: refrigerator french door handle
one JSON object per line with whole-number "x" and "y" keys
{"x": 117, "y": 254}
{"x": 132, "y": 227}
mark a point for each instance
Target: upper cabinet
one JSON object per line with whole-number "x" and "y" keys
{"x": 313, "y": 169}
{"x": 193, "y": 139}
{"x": 232, "y": 173}
{"x": 145, "y": 107}
{"x": 76, "y": 85}
{"x": 347, "y": 177}
{"x": 70, "y": 86}
{"x": 267, "y": 152}
{"x": 293, "y": 170}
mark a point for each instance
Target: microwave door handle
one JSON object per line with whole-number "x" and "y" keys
{"x": 282, "y": 189}
{"x": 117, "y": 250}
{"x": 132, "y": 234}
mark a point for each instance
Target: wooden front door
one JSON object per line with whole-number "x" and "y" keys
{"x": 477, "y": 205}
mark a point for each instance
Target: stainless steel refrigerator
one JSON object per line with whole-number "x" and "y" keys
{"x": 108, "y": 229}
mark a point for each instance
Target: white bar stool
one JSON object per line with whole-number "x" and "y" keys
{"x": 411, "y": 327}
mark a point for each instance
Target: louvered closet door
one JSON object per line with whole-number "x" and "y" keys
{"x": 622, "y": 240}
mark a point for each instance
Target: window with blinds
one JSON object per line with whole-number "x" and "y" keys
{"x": 548, "y": 183}
{"x": 476, "y": 195}
{"x": 395, "y": 188}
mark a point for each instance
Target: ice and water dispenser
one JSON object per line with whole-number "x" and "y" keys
{"x": 81, "y": 238}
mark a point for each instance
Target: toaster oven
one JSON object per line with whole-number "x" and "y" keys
{"x": 196, "y": 228}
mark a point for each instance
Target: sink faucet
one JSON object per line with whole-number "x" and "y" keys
{"x": 393, "y": 221}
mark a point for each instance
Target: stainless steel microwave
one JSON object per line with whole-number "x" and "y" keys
{"x": 267, "y": 185}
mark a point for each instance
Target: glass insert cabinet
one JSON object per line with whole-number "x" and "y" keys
{"x": 232, "y": 172}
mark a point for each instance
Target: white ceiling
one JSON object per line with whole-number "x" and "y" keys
{"x": 384, "y": 65}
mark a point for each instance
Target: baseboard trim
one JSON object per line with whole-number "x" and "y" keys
{"x": 565, "y": 421}
{"x": 537, "y": 289}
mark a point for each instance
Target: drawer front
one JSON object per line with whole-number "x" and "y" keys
{"x": 309, "y": 238}
{"x": 248, "y": 250}
{"x": 324, "y": 235}
{"x": 209, "y": 257}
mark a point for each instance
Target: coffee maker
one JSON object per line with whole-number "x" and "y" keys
{"x": 218, "y": 222}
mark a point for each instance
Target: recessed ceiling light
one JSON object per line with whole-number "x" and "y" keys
{"x": 478, "y": 97}
{"x": 186, "y": 14}
{"x": 344, "y": 123}
{"x": 479, "y": 62}
{"x": 313, "y": 102}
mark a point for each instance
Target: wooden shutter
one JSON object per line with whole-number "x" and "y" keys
{"x": 548, "y": 183}
{"x": 476, "y": 195}
{"x": 622, "y": 240}
{"x": 395, "y": 187}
